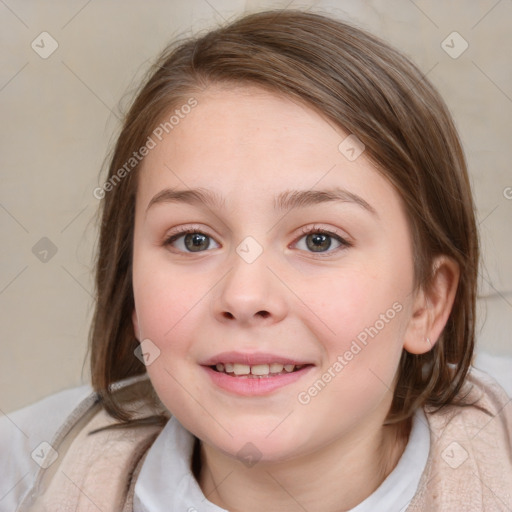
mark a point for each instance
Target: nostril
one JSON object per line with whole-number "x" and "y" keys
{"x": 227, "y": 314}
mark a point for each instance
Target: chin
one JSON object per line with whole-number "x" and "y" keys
{"x": 250, "y": 445}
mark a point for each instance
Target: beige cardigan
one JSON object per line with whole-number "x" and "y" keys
{"x": 469, "y": 467}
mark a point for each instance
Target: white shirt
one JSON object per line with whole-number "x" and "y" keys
{"x": 166, "y": 482}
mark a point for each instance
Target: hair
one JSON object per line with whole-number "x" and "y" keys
{"x": 365, "y": 87}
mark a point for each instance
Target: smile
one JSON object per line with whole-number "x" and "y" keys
{"x": 256, "y": 380}
{"x": 256, "y": 370}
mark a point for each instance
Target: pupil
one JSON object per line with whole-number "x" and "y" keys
{"x": 196, "y": 242}
{"x": 318, "y": 242}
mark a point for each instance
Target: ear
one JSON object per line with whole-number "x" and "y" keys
{"x": 135, "y": 322}
{"x": 431, "y": 308}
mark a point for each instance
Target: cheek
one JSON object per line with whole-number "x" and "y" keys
{"x": 361, "y": 360}
{"x": 359, "y": 318}
{"x": 167, "y": 310}
{"x": 167, "y": 303}
{"x": 353, "y": 303}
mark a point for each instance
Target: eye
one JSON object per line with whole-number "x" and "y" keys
{"x": 320, "y": 241}
{"x": 191, "y": 240}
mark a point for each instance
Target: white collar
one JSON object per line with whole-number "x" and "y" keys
{"x": 166, "y": 482}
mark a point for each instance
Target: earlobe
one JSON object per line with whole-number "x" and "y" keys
{"x": 431, "y": 308}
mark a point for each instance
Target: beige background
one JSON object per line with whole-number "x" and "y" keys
{"x": 60, "y": 114}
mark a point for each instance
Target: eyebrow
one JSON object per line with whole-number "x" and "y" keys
{"x": 302, "y": 198}
{"x": 284, "y": 201}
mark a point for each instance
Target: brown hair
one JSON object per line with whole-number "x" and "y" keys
{"x": 368, "y": 89}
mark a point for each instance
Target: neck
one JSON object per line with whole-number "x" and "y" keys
{"x": 337, "y": 477}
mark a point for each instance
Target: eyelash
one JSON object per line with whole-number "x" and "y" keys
{"x": 344, "y": 244}
{"x": 180, "y": 232}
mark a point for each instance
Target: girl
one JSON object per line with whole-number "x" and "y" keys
{"x": 286, "y": 286}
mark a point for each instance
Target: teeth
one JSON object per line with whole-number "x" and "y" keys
{"x": 241, "y": 369}
{"x": 276, "y": 368}
{"x": 260, "y": 370}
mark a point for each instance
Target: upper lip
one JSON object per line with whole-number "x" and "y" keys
{"x": 252, "y": 359}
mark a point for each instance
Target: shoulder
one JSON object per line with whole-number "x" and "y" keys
{"x": 36, "y": 437}
{"x": 26, "y": 435}
{"x": 96, "y": 452}
{"x": 483, "y": 411}
{"x": 483, "y": 420}
{"x": 470, "y": 460}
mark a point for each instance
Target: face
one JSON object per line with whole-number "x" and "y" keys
{"x": 260, "y": 246}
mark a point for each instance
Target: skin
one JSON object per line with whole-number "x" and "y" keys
{"x": 248, "y": 145}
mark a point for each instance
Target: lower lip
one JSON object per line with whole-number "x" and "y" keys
{"x": 254, "y": 386}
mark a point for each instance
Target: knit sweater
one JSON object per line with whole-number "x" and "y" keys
{"x": 469, "y": 465}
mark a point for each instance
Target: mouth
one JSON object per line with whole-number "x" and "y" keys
{"x": 257, "y": 371}
{"x": 254, "y": 374}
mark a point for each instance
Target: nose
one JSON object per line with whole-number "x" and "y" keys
{"x": 250, "y": 294}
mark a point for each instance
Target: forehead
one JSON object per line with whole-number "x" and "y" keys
{"x": 234, "y": 120}
{"x": 247, "y": 139}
